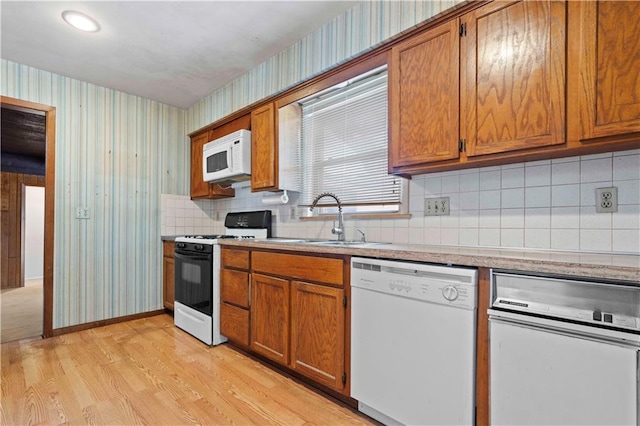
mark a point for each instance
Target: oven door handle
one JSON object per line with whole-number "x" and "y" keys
{"x": 191, "y": 256}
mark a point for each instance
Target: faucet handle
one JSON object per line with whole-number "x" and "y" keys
{"x": 338, "y": 231}
{"x": 363, "y": 238}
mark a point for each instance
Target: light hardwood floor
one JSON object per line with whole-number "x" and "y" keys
{"x": 22, "y": 311}
{"x": 149, "y": 372}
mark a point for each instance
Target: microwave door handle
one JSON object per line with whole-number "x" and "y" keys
{"x": 230, "y": 158}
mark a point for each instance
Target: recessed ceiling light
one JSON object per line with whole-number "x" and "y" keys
{"x": 80, "y": 21}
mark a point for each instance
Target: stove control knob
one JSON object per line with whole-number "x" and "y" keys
{"x": 199, "y": 247}
{"x": 450, "y": 293}
{"x": 181, "y": 245}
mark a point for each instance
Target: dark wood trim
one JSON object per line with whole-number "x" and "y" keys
{"x": 482, "y": 348}
{"x": 109, "y": 321}
{"x": 49, "y": 202}
{"x": 340, "y": 72}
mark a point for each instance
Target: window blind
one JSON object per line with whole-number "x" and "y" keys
{"x": 344, "y": 144}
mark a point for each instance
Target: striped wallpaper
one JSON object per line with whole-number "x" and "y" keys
{"x": 116, "y": 153}
{"x": 359, "y": 29}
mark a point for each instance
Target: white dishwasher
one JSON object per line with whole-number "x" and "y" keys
{"x": 413, "y": 342}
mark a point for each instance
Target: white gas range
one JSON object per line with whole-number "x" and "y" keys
{"x": 197, "y": 274}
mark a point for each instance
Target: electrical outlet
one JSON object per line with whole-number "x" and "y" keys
{"x": 607, "y": 200}
{"x": 436, "y": 206}
{"x": 293, "y": 212}
{"x": 82, "y": 213}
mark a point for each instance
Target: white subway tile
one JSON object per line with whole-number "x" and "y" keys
{"x": 431, "y": 236}
{"x": 629, "y": 152}
{"x": 565, "y": 195}
{"x": 432, "y": 221}
{"x": 537, "y": 175}
{"x": 627, "y": 217}
{"x": 470, "y": 181}
{"x": 489, "y": 179}
{"x": 565, "y": 173}
{"x": 452, "y": 220}
{"x": 512, "y": 218}
{"x": 469, "y": 219}
{"x": 432, "y": 185}
{"x": 450, "y": 183}
{"x": 489, "y": 237}
{"x": 595, "y": 240}
{"x": 589, "y": 219}
{"x": 454, "y": 200}
{"x": 626, "y": 241}
{"x": 469, "y": 237}
{"x": 512, "y": 198}
{"x": 600, "y": 170}
{"x": 628, "y": 191}
{"x": 449, "y": 236}
{"x": 513, "y": 177}
{"x": 490, "y": 199}
{"x": 401, "y": 236}
{"x": 512, "y": 237}
{"x": 539, "y": 196}
{"x": 565, "y": 217}
{"x": 537, "y": 238}
{"x": 537, "y": 218}
{"x": 489, "y": 219}
{"x": 470, "y": 200}
{"x": 565, "y": 239}
{"x": 626, "y": 167}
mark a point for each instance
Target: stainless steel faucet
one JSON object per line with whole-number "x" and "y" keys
{"x": 340, "y": 229}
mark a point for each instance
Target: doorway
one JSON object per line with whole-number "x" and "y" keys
{"x": 15, "y": 225}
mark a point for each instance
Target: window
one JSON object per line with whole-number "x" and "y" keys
{"x": 344, "y": 147}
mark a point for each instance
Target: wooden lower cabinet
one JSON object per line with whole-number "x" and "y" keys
{"x": 317, "y": 332}
{"x": 270, "y": 317}
{"x": 234, "y": 296}
{"x": 168, "y": 275}
{"x": 294, "y": 313}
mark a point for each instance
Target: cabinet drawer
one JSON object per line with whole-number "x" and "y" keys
{"x": 308, "y": 268}
{"x": 167, "y": 248}
{"x": 234, "y": 323}
{"x": 233, "y": 258}
{"x": 234, "y": 287}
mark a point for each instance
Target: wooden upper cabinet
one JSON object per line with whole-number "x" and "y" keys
{"x": 200, "y": 188}
{"x": 424, "y": 97}
{"x": 513, "y": 76}
{"x": 604, "y": 79}
{"x": 264, "y": 149}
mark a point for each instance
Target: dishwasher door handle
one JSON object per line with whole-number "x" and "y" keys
{"x": 565, "y": 328}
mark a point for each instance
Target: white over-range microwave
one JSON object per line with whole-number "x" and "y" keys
{"x": 227, "y": 159}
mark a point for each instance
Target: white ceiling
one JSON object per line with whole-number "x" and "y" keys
{"x": 174, "y": 52}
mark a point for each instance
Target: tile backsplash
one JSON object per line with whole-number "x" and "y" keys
{"x": 546, "y": 204}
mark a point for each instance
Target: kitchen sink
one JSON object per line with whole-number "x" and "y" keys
{"x": 321, "y": 242}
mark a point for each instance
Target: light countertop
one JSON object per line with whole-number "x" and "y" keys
{"x": 597, "y": 265}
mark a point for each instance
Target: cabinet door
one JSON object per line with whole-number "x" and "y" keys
{"x": 424, "y": 98}
{"x": 513, "y": 76}
{"x": 264, "y": 149}
{"x": 604, "y": 80}
{"x": 270, "y": 317}
{"x": 317, "y": 333}
{"x": 199, "y": 188}
{"x": 168, "y": 281}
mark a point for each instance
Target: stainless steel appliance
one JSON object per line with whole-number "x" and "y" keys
{"x": 413, "y": 342}
{"x": 564, "y": 350}
{"x": 197, "y": 274}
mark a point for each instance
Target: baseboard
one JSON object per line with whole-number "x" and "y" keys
{"x": 101, "y": 323}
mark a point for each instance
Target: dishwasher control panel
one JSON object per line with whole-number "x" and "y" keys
{"x": 431, "y": 283}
